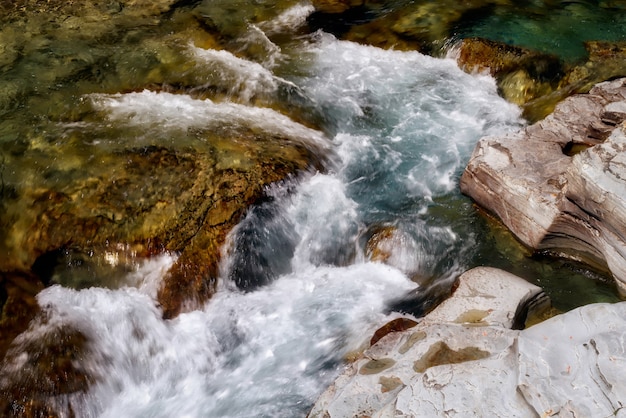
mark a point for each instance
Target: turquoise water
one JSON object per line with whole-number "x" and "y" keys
{"x": 558, "y": 28}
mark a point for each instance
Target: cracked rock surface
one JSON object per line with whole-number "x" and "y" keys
{"x": 474, "y": 364}
{"x": 559, "y": 184}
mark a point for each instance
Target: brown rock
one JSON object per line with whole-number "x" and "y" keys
{"x": 18, "y": 305}
{"x": 398, "y": 324}
{"x": 151, "y": 200}
{"x": 420, "y": 26}
{"x": 380, "y": 245}
{"x": 537, "y": 81}
{"x": 522, "y": 75}
{"x": 191, "y": 281}
{"x": 36, "y": 373}
{"x": 606, "y": 60}
{"x": 335, "y": 6}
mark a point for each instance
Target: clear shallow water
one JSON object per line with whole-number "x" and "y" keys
{"x": 297, "y": 293}
{"x": 559, "y": 29}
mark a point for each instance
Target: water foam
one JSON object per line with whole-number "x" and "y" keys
{"x": 289, "y": 20}
{"x": 155, "y": 112}
{"x": 263, "y": 353}
{"x": 416, "y": 113}
{"x": 245, "y": 79}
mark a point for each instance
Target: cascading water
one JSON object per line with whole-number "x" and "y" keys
{"x": 298, "y": 290}
{"x": 297, "y": 293}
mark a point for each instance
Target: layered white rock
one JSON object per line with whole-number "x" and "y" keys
{"x": 553, "y": 198}
{"x": 451, "y": 365}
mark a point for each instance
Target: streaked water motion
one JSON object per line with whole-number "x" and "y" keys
{"x": 299, "y": 289}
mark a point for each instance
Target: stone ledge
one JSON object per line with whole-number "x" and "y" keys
{"x": 569, "y": 365}
{"x": 552, "y": 197}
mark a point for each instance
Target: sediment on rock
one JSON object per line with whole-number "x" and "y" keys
{"x": 468, "y": 335}
{"x": 464, "y": 359}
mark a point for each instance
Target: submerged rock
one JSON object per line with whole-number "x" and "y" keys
{"x": 38, "y": 374}
{"x": 336, "y": 6}
{"x": 522, "y": 75}
{"x": 606, "y": 60}
{"x": 421, "y": 26}
{"x": 558, "y": 185}
{"x": 537, "y": 81}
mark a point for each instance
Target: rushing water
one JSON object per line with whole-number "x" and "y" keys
{"x": 297, "y": 292}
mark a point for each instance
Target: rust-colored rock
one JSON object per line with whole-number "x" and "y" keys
{"x": 420, "y": 26}
{"x": 18, "y": 305}
{"x": 537, "y": 81}
{"x": 335, "y": 6}
{"x": 154, "y": 200}
{"x": 606, "y": 60}
{"x": 37, "y": 372}
{"x": 380, "y": 245}
{"x": 522, "y": 74}
{"x": 398, "y": 324}
{"x": 192, "y": 279}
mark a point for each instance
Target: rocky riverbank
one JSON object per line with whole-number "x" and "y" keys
{"x": 464, "y": 358}
{"x": 558, "y": 185}
{"x": 130, "y": 131}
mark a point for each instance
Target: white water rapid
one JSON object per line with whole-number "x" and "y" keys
{"x": 402, "y": 127}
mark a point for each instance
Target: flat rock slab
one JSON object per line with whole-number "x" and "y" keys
{"x": 559, "y": 185}
{"x": 485, "y": 296}
{"x": 569, "y": 365}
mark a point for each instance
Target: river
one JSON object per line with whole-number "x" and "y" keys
{"x": 298, "y": 290}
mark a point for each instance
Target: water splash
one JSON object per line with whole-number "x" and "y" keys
{"x": 155, "y": 113}
{"x": 403, "y": 126}
{"x": 263, "y": 353}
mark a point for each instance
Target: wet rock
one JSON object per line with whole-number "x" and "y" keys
{"x": 146, "y": 201}
{"x": 17, "y": 305}
{"x": 606, "y": 61}
{"x": 392, "y": 245}
{"x": 558, "y": 184}
{"x": 38, "y": 374}
{"x": 458, "y": 354}
{"x": 381, "y": 244}
{"x": 522, "y": 75}
{"x": 87, "y": 8}
{"x": 335, "y": 6}
{"x": 537, "y": 81}
{"x": 421, "y": 26}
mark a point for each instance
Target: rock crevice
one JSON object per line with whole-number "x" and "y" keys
{"x": 569, "y": 365}
{"x": 560, "y": 188}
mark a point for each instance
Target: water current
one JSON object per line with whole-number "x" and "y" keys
{"x": 298, "y": 292}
